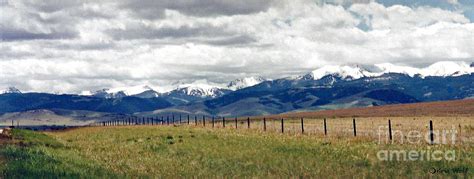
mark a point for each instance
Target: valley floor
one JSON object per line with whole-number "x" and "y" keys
{"x": 185, "y": 151}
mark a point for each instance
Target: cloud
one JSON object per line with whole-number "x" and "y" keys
{"x": 152, "y": 9}
{"x": 73, "y": 46}
{"x": 147, "y": 32}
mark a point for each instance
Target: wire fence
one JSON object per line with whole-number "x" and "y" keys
{"x": 438, "y": 130}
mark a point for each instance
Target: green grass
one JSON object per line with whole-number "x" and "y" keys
{"x": 186, "y": 151}
{"x": 36, "y": 155}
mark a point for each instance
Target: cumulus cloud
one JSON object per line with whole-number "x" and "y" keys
{"x": 73, "y": 46}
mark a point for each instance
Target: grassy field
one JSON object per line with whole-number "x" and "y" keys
{"x": 184, "y": 151}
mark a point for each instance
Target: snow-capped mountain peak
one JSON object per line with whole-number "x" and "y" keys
{"x": 11, "y": 90}
{"x": 129, "y": 91}
{"x": 447, "y": 68}
{"x": 344, "y": 72}
{"x": 119, "y": 92}
{"x": 200, "y": 90}
{"x": 391, "y": 68}
{"x": 443, "y": 68}
{"x": 245, "y": 82}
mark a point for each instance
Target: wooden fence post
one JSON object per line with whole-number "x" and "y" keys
{"x": 354, "y": 126}
{"x": 180, "y": 119}
{"x": 282, "y": 126}
{"x": 325, "y": 127}
{"x": 390, "y": 130}
{"x": 167, "y": 120}
{"x": 195, "y": 120}
{"x": 188, "y": 119}
{"x": 173, "y": 118}
{"x": 248, "y": 122}
{"x": 235, "y": 122}
{"x": 223, "y": 122}
{"x": 212, "y": 121}
{"x": 431, "y": 133}
{"x": 204, "y": 121}
{"x": 264, "y": 124}
{"x": 302, "y": 126}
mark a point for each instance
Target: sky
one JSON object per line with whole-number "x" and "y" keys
{"x": 68, "y": 46}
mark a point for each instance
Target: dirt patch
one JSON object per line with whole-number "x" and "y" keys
{"x": 6, "y": 136}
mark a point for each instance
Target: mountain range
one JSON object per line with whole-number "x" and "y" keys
{"x": 328, "y": 87}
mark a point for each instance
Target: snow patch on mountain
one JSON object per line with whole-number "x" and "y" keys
{"x": 245, "y": 82}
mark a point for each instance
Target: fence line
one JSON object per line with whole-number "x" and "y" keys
{"x": 286, "y": 126}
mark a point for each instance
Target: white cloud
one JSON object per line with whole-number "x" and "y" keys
{"x": 73, "y": 47}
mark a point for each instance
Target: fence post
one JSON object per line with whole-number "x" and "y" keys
{"x": 325, "y": 127}
{"x": 204, "y": 120}
{"x": 167, "y": 120}
{"x": 390, "y": 130}
{"x": 248, "y": 122}
{"x": 354, "y": 125}
{"x": 103, "y": 123}
{"x": 180, "y": 119}
{"x": 264, "y": 124}
{"x": 188, "y": 119}
{"x": 212, "y": 121}
{"x": 173, "y": 118}
{"x": 195, "y": 120}
{"x": 223, "y": 122}
{"x": 235, "y": 122}
{"x": 302, "y": 126}
{"x": 431, "y": 133}
{"x": 282, "y": 126}
{"x": 162, "y": 120}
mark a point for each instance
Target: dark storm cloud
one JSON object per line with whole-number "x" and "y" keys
{"x": 147, "y": 32}
{"x": 152, "y": 9}
{"x": 7, "y": 34}
{"x": 235, "y": 40}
